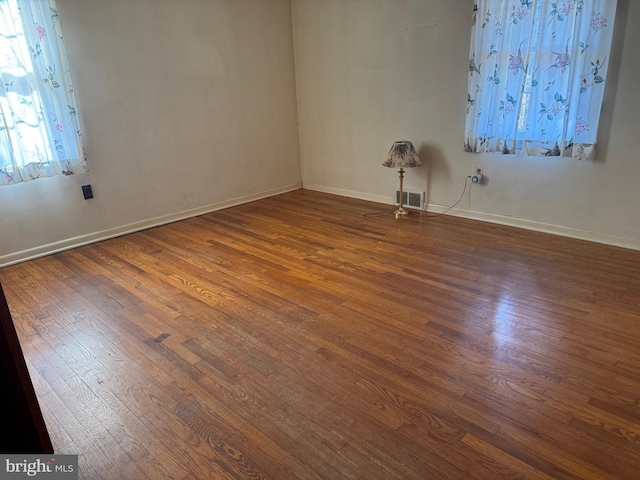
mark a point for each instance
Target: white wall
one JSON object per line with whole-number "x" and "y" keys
{"x": 186, "y": 105}
{"x": 190, "y": 105}
{"x": 370, "y": 72}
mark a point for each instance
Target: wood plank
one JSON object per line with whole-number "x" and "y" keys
{"x": 295, "y": 337}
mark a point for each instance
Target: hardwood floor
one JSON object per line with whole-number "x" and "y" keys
{"x": 295, "y": 337}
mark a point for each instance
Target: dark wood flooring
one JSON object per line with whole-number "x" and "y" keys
{"x": 295, "y": 337}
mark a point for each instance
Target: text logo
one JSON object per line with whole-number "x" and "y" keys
{"x": 51, "y": 467}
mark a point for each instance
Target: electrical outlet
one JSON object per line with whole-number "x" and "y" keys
{"x": 478, "y": 170}
{"x": 87, "y": 192}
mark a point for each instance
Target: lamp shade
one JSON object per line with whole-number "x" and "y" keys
{"x": 402, "y": 155}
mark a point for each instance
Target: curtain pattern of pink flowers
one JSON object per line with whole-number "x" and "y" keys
{"x": 537, "y": 71}
{"x": 39, "y": 126}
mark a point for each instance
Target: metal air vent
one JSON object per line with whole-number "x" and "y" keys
{"x": 410, "y": 199}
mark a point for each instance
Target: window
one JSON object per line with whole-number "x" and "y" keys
{"x": 39, "y": 126}
{"x": 537, "y": 70}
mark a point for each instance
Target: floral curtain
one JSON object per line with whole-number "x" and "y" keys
{"x": 39, "y": 126}
{"x": 537, "y": 70}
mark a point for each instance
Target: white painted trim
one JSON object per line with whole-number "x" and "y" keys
{"x": 30, "y": 254}
{"x": 604, "y": 238}
{"x": 349, "y": 193}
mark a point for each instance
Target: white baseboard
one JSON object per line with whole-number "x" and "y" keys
{"x": 24, "y": 255}
{"x": 604, "y": 238}
{"x": 349, "y": 193}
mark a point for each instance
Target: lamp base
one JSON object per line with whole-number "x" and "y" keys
{"x": 400, "y": 211}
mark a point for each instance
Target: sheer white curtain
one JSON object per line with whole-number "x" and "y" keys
{"x": 537, "y": 70}
{"x": 39, "y": 128}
